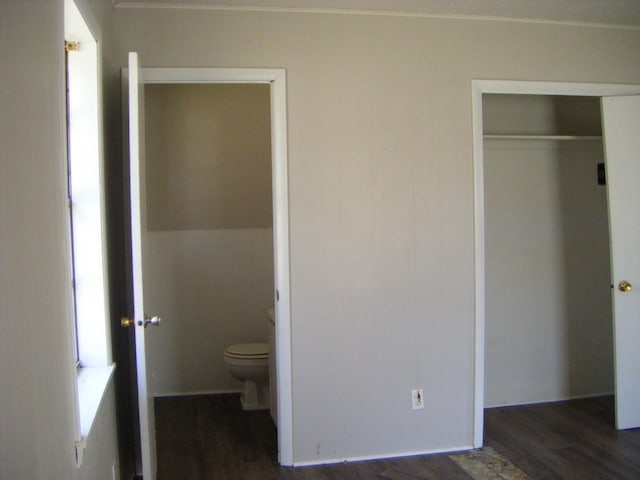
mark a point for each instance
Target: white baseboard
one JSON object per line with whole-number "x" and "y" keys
{"x": 382, "y": 456}
{"x": 190, "y": 393}
{"x": 553, "y": 400}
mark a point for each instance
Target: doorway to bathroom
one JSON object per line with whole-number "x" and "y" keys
{"x": 214, "y": 230}
{"x": 209, "y": 236}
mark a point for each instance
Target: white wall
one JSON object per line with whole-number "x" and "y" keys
{"x": 381, "y": 198}
{"x": 36, "y": 362}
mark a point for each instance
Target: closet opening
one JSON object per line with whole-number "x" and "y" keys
{"x": 557, "y": 126}
{"x": 548, "y": 311}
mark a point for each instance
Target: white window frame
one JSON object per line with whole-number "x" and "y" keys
{"x": 91, "y": 326}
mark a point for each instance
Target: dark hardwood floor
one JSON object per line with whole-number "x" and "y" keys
{"x": 210, "y": 437}
{"x": 565, "y": 440}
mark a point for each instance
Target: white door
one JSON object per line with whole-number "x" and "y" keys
{"x": 136, "y": 168}
{"x": 621, "y": 132}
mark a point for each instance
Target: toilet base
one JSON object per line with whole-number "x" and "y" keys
{"x": 254, "y": 396}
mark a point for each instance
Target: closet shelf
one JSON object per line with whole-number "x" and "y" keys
{"x": 541, "y": 137}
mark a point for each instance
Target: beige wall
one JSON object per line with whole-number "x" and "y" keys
{"x": 548, "y": 298}
{"x": 208, "y": 157}
{"x": 212, "y": 288}
{"x": 541, "y": 115}
{"x": 381, "y": 198}
{"x": 36, "y": 355}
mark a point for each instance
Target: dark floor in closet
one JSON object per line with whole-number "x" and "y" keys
{"x": 565, "y": 440}
{"x": 210, "y": 437}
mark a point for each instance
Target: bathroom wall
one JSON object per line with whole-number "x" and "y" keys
{"x": 208, "y": 150}
{"x": 548, "y": 297}
{"x": 209, "y": 245}
{"x": 381, "y": 200}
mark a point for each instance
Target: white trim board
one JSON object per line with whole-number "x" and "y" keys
{"x": 364, "y": 458}
{"x": 386, "y": 12}
{"x": 213, "y": 75}
{"x": 197, "y": 393}
{"x": 276, "y": 77}
{"x": 478, "y": 88}
{"x": 563, "y": 399}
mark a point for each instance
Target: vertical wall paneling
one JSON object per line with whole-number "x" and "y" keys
{"x": 368, "y": 323}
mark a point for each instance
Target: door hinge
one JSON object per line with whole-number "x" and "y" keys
{"x": 80, "y": 445}
{"x": 71, "y": 46}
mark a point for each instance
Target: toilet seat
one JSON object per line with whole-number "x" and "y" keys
{"x": 253, "y": 351}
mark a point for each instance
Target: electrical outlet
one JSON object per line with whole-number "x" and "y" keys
{"x": 417, "y": 399}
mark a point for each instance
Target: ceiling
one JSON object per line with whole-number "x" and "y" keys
{"x": 610, "y": 12}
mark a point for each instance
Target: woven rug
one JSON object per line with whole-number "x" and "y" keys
{"x": 487, "y": 464}
{"x": 483, "y": 464}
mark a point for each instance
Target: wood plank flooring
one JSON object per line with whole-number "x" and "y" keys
{"x": 565, "y": 440}
{"x": 210, "y": 437}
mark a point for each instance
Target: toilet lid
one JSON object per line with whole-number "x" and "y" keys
{"x": 248, "y": 350}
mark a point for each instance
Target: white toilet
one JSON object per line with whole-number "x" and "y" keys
{"x": 249, "y": 363}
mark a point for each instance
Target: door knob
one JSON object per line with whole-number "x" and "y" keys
{"x": 127, "y": 322}
{"x": 624, "y": 286}
{"x": 154, "y": 321}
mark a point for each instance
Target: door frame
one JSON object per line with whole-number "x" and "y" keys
{"x": 478, "y": 88}
{"x": 276, "y": 78}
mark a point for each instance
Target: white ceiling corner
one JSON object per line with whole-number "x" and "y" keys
{"x": 623, "y": 13}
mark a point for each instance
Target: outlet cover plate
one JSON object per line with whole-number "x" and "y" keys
{"x": 417, "y": 399}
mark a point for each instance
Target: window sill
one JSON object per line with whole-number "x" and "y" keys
{"x": 92, "y": 383}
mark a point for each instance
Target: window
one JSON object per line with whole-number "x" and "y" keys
{"x": 87, "y": 222}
